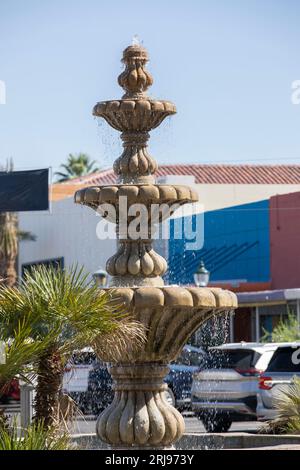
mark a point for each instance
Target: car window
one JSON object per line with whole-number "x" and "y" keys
{"x": 190, "y": 358}
{"x": 234, "y": 359}
{"x": 285, "y": 360}
{"x": 264, "y": 360}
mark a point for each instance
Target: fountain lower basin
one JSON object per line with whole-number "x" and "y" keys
{"x": 140, "y": 415}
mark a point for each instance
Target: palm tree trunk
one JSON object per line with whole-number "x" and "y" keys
{"x": 3, "y": 418}
{"x": 8, "y": 248}
{"x": 49, "y": 381}
{"x": 8, "y": 272}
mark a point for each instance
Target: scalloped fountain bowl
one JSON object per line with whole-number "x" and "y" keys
{"x": 140, "y": 415}
{"x": 134, "y": 115}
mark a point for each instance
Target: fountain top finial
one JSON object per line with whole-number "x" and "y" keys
{"x": 135, "y": 52}
{"x": 135, "y": 79}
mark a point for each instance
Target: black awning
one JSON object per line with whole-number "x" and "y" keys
{"x": 24, "y": 190}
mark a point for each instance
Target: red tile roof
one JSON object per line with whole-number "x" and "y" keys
{"x": 213, "y": 174}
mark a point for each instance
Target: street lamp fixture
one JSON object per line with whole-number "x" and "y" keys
{"x": 201, "y": 276}
{"x": 100, "y": 278}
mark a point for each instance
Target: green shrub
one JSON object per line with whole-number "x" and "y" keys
{"x": 35, "y": 437}
{"x": 287, "y": 404}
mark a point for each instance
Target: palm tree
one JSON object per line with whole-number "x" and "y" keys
{"x": 8, "y": 247}
{"x": 65, "y": 307}
{"x": 20, "y": 355}
{"x": 9, "y": 243}
{"x": 79, "y": 164}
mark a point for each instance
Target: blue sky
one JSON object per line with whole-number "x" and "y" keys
{"x": 228, "y": 65}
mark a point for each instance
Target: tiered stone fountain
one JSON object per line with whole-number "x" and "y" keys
{"x": 140, "y": 416}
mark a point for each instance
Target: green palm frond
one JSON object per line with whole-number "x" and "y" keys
{"x": 35, "y": 437}
{"x": 21, "y": 352}
{"x": 26, "y": 236}
{"x": 67, "y": 306}
{"x": 50, "y": 314}
{"x": 287, "y": 405}
{"x": 77, "y": 165}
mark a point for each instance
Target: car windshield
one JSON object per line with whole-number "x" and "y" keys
{"x": 285, "y": 360}
{"x": 234, "y": 358}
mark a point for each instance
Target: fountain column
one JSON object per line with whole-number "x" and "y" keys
{"x": 140, "y": 415}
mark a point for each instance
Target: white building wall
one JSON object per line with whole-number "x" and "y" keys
{"x": 68, "y": 231}
{"x": 218, "y": 196}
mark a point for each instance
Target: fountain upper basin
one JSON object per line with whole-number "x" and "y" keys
{"x": 134, "y": 115}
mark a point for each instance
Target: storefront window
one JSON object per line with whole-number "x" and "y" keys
{"x": 269, "y": 316}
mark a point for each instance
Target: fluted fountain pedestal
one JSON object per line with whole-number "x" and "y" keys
{"x": 140, "y": 416}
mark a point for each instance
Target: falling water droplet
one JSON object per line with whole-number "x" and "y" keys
{"x": 135, "y": 40}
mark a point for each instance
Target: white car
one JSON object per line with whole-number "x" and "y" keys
{"x": 227, "y": 390}
{"x": 283, "y": 367}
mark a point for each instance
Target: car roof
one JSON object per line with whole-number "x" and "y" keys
{"x": 190, "y": 348}
{"x": 83, "y": 350}
{"x": 257, "y": 347}
{"x": 291, "y": 344}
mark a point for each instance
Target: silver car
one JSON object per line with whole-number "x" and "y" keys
{"x": 283, "y": 367}
{"x": 227, "y": 390}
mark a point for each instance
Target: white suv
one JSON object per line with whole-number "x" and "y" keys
{"x": 283, "y": 367}
{"x": 227, "y": 390}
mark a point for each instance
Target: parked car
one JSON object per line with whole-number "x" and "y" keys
{"x": 11, "y": 393}
{"x": 181, "y": 372}
{"x": 227, "y": 390}
{"x": 284, "y": 365}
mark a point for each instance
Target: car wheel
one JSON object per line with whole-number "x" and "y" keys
{"x": 216, "y": 423}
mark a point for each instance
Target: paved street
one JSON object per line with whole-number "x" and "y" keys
{"x": 86, "y": 424}
{"x": 193, "y": 425}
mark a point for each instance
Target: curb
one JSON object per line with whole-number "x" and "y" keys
{"x": 206, "y": 441}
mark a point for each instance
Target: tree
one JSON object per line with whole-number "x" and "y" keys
{"x": 66, "y": 312}
{"x": 9, "y": 244}
{"x": 288, "y": 329}
{"x": 77, "y": 165}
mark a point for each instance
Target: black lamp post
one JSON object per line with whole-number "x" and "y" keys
{"x": 100, "y": 277}
{"x": 201, "y": 276}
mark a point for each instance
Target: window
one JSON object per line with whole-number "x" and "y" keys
{"x": 234, "y": 359}
{"x": 285, "y": 360}
{"x": 190, "y": 358}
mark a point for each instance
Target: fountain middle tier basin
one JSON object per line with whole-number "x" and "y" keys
{"x": 170, "y": 314}
{"x": 144, "y": 194}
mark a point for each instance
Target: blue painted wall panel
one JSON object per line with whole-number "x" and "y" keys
{"x": 236, "y": 246}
